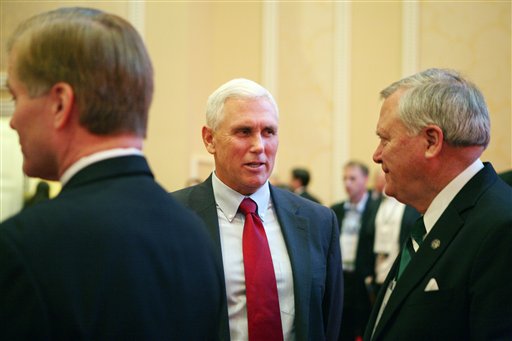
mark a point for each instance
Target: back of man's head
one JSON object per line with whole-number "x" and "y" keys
{"x": 100, "y": 55}
{"x": 301, "y": 175}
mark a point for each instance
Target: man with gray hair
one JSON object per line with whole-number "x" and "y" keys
{"x": 452, "y": 278}
{"x": 112, "y": 256}
{"x": 281, "y": 254}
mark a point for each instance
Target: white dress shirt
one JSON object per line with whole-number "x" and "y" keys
{"x": 96, "y": 157}
{"x": 445, "y": 197}
{"x": 350, "y": 228}
{"x": 388, "y": 223}
{"x": 231, "y": 225}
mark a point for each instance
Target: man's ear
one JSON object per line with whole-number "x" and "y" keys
{"x": 434, "y": 137}
{"x": 63, "y": 98}
{"x": 208, "y": 139}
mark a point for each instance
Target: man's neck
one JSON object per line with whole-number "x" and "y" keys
{"x": 90, "y": 144}
{"x": 356, "y": 199}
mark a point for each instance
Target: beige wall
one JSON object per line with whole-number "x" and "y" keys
{"x": 376, "y": 62}
{"x": 330, "y": 60}
{"x": 195, "y": 48}
{"x": 476, "y": 39}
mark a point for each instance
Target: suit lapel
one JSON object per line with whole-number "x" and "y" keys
{"x": 296, "y": 235}
{"x": 202, "y": 201}
{"x": 434, "y": 245}
{"x": 427, "y": 255}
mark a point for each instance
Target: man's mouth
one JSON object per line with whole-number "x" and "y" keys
{"x": 254, "y": 164}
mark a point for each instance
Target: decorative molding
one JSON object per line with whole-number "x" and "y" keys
{"x": 410, "y": 37}
{"x": 137, "y": 16}
{"x": 341, "y": 94}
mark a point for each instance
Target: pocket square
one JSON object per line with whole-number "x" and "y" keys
{"x": 432, "y": 285}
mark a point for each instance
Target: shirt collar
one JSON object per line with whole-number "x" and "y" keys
{"x": 228, "y": 200}
{"x": 443, "y": 198}
{"x": 359, "y": 207}
{"x": 93, "y": 158}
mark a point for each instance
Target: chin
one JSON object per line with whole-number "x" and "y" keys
{"x": 389, "y": 191}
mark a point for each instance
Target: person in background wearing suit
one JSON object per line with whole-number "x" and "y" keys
{"x": 356, "y": 240}
{"x": 304, "y": 283}
{"x": 299, "y": 184}
{"x": 379, "y": 181}
{"x": 393, "y": 221}
{"x": 506, "y": 176}
{"x": 112, "y": 256}
{"x": 452, "y": 279}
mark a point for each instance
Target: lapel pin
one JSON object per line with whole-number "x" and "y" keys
{"x": 435, "y": 244}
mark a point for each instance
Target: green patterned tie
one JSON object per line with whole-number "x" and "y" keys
{"x": 417, "y": 233}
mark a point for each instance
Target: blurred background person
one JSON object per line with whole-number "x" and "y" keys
{"x": 112, "y": 256}
{"x": 393, "y": 222}
{"x": 506, "y": 176}
{"x": 379, "y": 181}
{"x": 299, "y": 181}
{"x": 356, "y": 240}
{"x": 42, "y": 193}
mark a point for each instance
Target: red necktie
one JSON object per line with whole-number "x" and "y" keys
{"x": 263, "y": 316}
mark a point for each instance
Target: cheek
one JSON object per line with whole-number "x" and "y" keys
{"x": 17, "y": 117}
{"x": 271, "y": 147}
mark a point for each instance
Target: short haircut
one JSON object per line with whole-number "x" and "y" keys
{"x": 240, "y": 88}
{"x": 357, "y": 164}
{"x": 444, "y": 98}
{"x": 100, "y": 55}
{"x": 302, "y": 175}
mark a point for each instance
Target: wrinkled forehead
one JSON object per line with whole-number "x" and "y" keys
{"x": 259, "y": 108}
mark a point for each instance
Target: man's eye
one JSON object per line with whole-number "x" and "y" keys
{"x": 269, "y": 132}
{"x": 244, "y": 132}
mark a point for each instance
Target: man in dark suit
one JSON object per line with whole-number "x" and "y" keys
{"x": 112, "y": 256}
{"x": 299, "y": 184}
{"x": 506, "y": 176}
{"x": 241, "y": 133}
{"x": 452, "y": 279}
{"x": 355, "y": 217}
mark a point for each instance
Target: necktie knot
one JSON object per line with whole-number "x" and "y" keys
{"x": 248, "y": 206}
{"x": 418, "y": 231}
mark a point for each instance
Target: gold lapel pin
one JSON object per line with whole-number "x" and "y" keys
{"x": 435, "y": 244}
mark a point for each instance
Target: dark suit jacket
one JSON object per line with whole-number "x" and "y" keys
{"x": 408, "y": 220}
{"x": 469, "y": 253}
{"x": 311, "y": 235}
{"x": 308, "y": 196}
{"x": 365, "y": 258}
{"x": 111, "y": 257}
{"x": 409, "y": 217}
{"x": 507, "y": 177}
